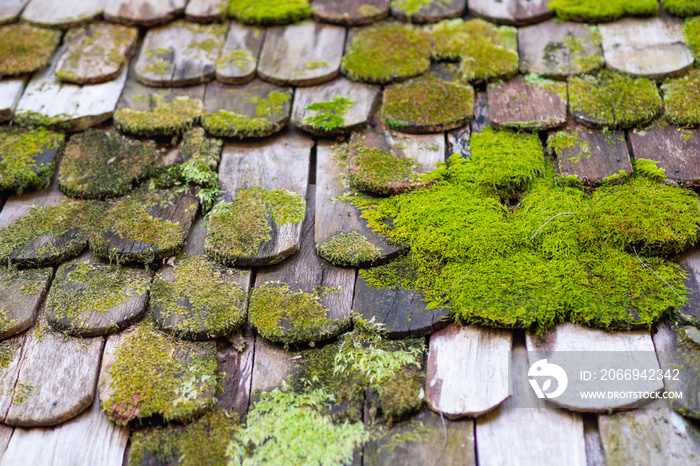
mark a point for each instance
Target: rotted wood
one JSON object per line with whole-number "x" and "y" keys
{"x": 538, "y": 435}
{"x": 458, "y": 142}
{"x": 363, "y": 97}
{"x": 90, "y": 438}
{"x": 651, "y": 47}
{"x": 690, "y": 263}
{"x": 574, "y": 348}
{"x": 438, "y": 442}
{"x": 95, "y": 54}
{"x": 481, "y": 113}
{"x": 559, "y": 49}
{"x": 468, "y": 370}
{"x": 239, "y": 55}
{"x": 512, "y": 12}
{"x": 306, "y": 271}
{"x": 677, "y": 151}
{"x": 206, "y": 11}
{"x": 21, "y": 294}
{"x": 62, "y": 14}
{"x": 595, "y": 156}
{"x": 272, "y": 364}
{"x": 10, "y": 92}
{"x": 520, "y": 105}
{"x": 143, "y": 12}
{"x": 430, "y": 12}
{"x": 179, "y": 54}
{"x": 301, "y": 54}
{"x": 10, "y": 10}
{"x": 69, "y": 106}
{"x": 350, "y": 12}
{"x": 235, "y": 365}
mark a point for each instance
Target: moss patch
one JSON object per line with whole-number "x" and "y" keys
{"x": 349, "y": 249}
{"x": 649, "y": 169}
{"x": 167, "y": 119}
{"x": 597, "y": 12}
{"x": 682, "y": 8}
{"x": 269, "y": 11}
{"x": 613, "y": 99}
{"x": 427, "y": 103}
{"x": 386, "y": 53}
{"x": 691, "y": 34}
{"x": 682, "y": 99}
{"x": 202, "y": 301}
{"x": 237, "y": 229}
{"x": 485, "y": 51}
{"x": 28, "y": 282}
{"x": 98, "y": 164}
{"x": 25, "y": 48}
{"x": 570, "y": 54}
{"x": 27, "y": 158}
{"x": 410, "y": 7}
{"x": 234, "y": 125}
{"x": 328, "y": 116}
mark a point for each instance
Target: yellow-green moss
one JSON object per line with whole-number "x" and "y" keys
{"x": 570, "y": 55}
{"x": 594, "y": 11}
{"x": 613, "y": 99}
{"x": 234, "y": 125}
{"x": 22, "y": 165}
{"x": 691, "y": 34}
{"x": 410, "y": 7}
{"x": 29, "y": 118}
{"x": 682, "y": 8}
{"x": 174, "y": 117}
{"x": 7, "y": 352}
{"x": 386, "y": 53}
{"x": 427, "y": 102}
{"x": 30, "y": 281}
{"x": 25, "y": 48}
{"x": 239, "y": 58}
{"x": 649, "y": 169}
{"x": 349, "y": 249}
{"x": 682, "y": 99}
{"x": 202, "y": 300}
{"x": 269, "y": 11}
{"x": 328, "y": 116}
{"x": 156, "y": 374}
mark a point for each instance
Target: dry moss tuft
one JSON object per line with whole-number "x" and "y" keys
{"x": 682, "y": 99}
{"x": 27, "y": 158}
{"x": 25, "y": 48}
{"x": 166, "y": 119}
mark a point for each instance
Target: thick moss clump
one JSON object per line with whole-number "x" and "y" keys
{"x": 614, "y": 100}
{"x": 237, "y": 229}
{"x": 25, "y": 48}
{"x": 234, "y": 125}
{"x": 427, "y": 104}
{"x": 269, "y": 11}
{"x": 328, "y": 115}
{"x": 201, "y": 301}
{"x": 485, "y": 51}
{"x": 349, "y": 249}
{"x": 156, "y": 374}
{"x": 165, "y": 119}
{"x": 682, "y": 8}
{"x": 649, "y": 169}
{"x": 682, "y": 99}
{"x": 691, "y": 34}
{"x": 99, "y": 164}
{"x": 27, "y": 158}
{"x": 388, "y": 52}
{"x": 285, "y": 316}
{"x": 593, "y": 11}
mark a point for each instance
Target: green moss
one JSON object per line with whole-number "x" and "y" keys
{"x": 269, "y": 11}
{"x": 28, "y": 282}
{"x": 682, "y": 8}
{"x": 682, "y": 99}
{"x": 282, "y": 315}
{"x": 570, "y": 55}
{"x": 25, "y": 48}
{"x": 202, "y": 442}
{"x": 614, "y": 99}
{"x": 485, "y": 51}
{"x": 160, "y": 67}
{"x": 81, "y": 289}
{"x": 60, "y": 122}
{"x": 229, "y": 124}
{"x": 22, "y": 392}
{"x": 174, "y": 117}
{"x": 691, "y": 34}
{"x": 597, "y": 12}
{"x": 315, "y": 65}
{"x": 427, "y": 101}
{"x": 202, "y": 299}
{"x": 239, "y": 58}
{"x": 272, "y": 105}
{"x": 649, "y": 169}
{"x": 98, "y": 164}
{"x": 349, "y": 249}
{"x": 328, "y": 115}
{"x": 8, "y": 350}
{"x": 237, "y": 229}
{"x": 410, "y": 7}
{"x": 386, "y": 53}
{"x": 22, "y": 165}
{"x": 156, "y": 374}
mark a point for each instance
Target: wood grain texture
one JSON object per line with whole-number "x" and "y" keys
{"x": 518, "y": 104}
{"x": 236, "y": 370}
{"x": 364, "y": 101}
{"x": 301, "y": 54}
{"x": 10, "y": 92}
{"x": 13, "y": 348}
{"x": 90, "y": 438}
{"x": 690, "y": 263}
{"x": 572, "y": 346}
{"x": 272, "y": 364}
{"x": 512, "y": 12}
{"x": 350, "y": 12}
{"x": 143, "y": 12}
{"x": 62, "y": 13}
{"x": 596, "y": 156}
{"x": 481, "y": 113}
{"x": 205, "y": 11}
{"x": 239, "y": 55}
{"x": 676, "y": 150}
{"x": 468, "y": 370}
{"x": 20, "y": 306}
{"x": 595, "y": 455}
{"x": 10, "y": 10}
{"x": 651, "y": 47}
{"x": 179, "y": 54}
{"x": 95, "y": 54}
{"x": 78, "y": 107}
{"x": 540, "y": 435}
{"x": 543, "y": 48}
{"x": 5, "y": 435}
{"x": 431, "y": 12}
{"x": 458, "y": 142}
